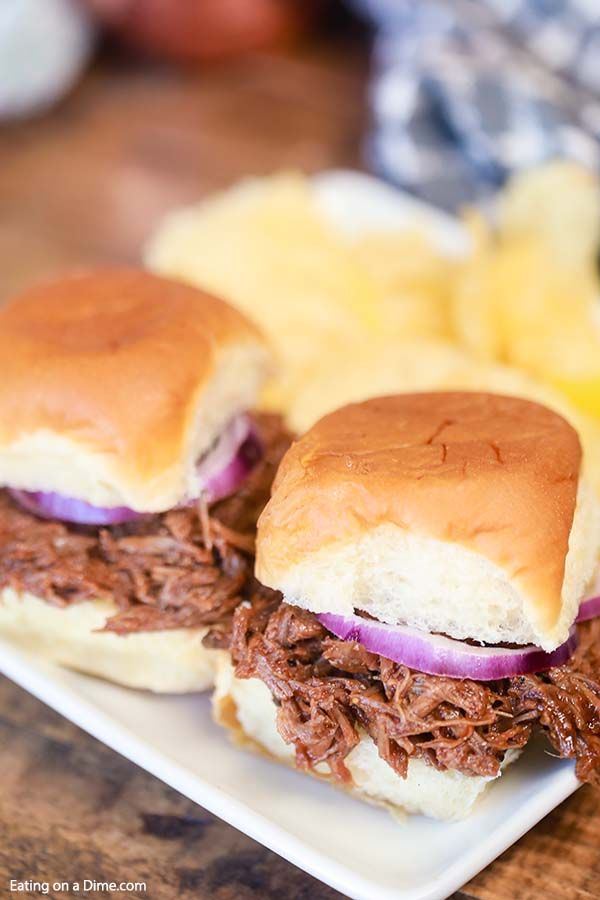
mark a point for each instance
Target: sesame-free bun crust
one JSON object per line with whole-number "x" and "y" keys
{"x": 246, "y": 709}
{"x": 460, "y": 513}
{"x": 115, "y": 381}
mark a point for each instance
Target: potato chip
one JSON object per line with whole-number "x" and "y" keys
{"x": 264, "y": 247}
{"x": 557, "y": 203}
{"x": 414, "y": 279}
{"x": 517, "y": 302}
{"x": 475, "y": 316}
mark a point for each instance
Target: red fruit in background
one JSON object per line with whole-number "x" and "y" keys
{"x": 205, "y": 29}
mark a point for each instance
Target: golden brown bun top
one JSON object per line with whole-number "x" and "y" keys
{"x": 496, "y": 475}
{"x": 118, "y": 362}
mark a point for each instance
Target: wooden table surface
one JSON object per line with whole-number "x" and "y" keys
{"x": 87, "y": 184}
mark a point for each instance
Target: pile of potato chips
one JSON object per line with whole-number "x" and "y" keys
{"x": 265, "y": 246}
{"x": 528, "y": 292}
{"x": 353, "y": 317}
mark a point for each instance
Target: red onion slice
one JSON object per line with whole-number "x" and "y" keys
{"x": 589, "y": 609}
{"x": 219, "y": 474}
{"x": 436, "y": 654}
{"x": 48, "y": 505}
{"x": 222, "y": 452}
{"x": 229, "y": 479}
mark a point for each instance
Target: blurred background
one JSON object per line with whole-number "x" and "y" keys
{"x": 112, "y": 113}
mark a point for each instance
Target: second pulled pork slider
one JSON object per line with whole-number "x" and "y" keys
{"x": 432, "y": 551}
{"x": 132, "y": 473}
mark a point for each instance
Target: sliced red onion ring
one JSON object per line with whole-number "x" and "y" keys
{"x": 589, "y": 609}
{"x": 229, "y": 479}
{"x": 222, "y": 451}
{"x": 235, "y": 453}
{"x": 436, "y": 654}
{"x": 48, "y": 505}
{"x": 218, "y": 474}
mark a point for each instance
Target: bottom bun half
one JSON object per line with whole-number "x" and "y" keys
{"x": 246, "y": 709}
{"x": 162, "y": 661}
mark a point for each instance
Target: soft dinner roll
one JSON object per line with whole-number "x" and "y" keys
{"x": 246, "y": 708}
{"x": 452, "y": 512}
{"x": 162, "y": 661}
{"x": 114, "y": 383}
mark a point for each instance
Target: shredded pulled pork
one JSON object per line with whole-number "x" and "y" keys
{"x": 565, "y": 702}
{"x": 327, "y": 689}
{"x": 183, "y": 568}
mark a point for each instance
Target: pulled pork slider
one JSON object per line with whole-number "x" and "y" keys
{"x": 132, "y": 473}
{"x": 433, "y": 552}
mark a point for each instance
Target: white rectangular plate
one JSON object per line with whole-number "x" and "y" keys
{"x": 356, "y": 848}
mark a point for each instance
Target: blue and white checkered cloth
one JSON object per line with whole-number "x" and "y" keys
{"x": 466, "y": 91}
